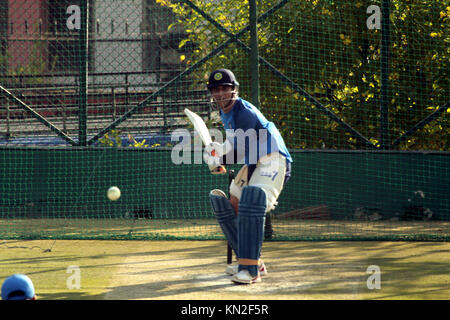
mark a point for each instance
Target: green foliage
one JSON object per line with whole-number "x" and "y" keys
{"x": 113, "y": 139}
{"x": 35, "y": 67}
{"x": 327, "y": 49}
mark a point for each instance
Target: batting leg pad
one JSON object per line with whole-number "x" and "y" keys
{"x": 239, "y": 182}
{"x": 269, "y": 176}
{"x": 252, "y": 210}
{"x": 225, "y": 217}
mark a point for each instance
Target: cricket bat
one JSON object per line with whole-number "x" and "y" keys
{"x": 202, "y": 130}
{"x": 199, "y": 126}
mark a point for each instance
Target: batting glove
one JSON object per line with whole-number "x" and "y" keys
{"x": 212, "y": 159}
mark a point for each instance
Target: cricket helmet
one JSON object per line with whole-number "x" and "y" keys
{"x": 222, "y": 77}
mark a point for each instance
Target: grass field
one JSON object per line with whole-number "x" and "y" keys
{"x": 208, "y": 229}
{"x": 193, "y": 270}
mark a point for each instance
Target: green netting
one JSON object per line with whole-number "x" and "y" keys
{"x": 93, "y": 92}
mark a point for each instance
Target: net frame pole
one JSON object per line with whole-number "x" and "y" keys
{"x": 384, "y": 90}
{"x": 254, "y": 53}
{"x": 83, "y": 73}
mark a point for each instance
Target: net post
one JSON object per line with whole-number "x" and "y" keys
{"x": 254, "y": 54}
{"x": 83, "y": 73}
{"x": 385, "y": 51}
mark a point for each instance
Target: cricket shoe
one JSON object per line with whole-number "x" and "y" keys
{"x": 244, "y": 277}
{"x": 234, "y": 269}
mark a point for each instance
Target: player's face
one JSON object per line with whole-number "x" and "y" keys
{"x": 224, "y": 97}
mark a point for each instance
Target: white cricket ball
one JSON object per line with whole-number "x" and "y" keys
{"x": 113, "y": 193}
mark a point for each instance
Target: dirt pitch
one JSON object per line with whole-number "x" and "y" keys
{"x": 194, "y": 270}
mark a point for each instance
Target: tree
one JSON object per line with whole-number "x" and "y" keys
{"x": 326, "y": 48}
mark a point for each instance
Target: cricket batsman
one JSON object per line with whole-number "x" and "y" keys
{"x": 256, "y": 143}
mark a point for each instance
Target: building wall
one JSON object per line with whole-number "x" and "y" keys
{"x": 126, "y": 36}
{"x": 25, "y": 18}
{"x": 118, "y": 45}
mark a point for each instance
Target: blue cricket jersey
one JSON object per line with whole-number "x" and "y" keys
{"x": 251, "y": 134}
